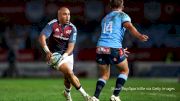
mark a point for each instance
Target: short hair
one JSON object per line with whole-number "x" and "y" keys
{"x": 62, "y": 8}
{"x": 116, "y": 3}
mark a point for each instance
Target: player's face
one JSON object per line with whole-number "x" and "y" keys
{"x": 64, "y": 16}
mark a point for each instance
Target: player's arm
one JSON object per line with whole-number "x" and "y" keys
{"x": 42, "y": 41}
{"x": 71, "y": 44}
{"x": 135, "y": 32}
{"x": 45, "y": 33}
{"x": 70, "y": 48}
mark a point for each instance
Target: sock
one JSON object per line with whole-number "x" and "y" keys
{"x": 67, "y": 90}
{"x": 99, "y": 86}
{"x": 82, "y": 91}
{"x": 119, "y": 84}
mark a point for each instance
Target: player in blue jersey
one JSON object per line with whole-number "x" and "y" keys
{"x": 61, "y": 35}
{"x": 109, "y": 48}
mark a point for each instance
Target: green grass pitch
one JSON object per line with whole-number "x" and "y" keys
{"x": 136, "y": 89}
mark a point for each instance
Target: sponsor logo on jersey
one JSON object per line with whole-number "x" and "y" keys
{"x": 60, "y": 37}
{"x": 57, "y": 29}
{"x": 68, "y": 31}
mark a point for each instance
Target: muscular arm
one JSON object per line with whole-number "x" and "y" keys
{"x": 135, "y": 32}
{"x": 42, "y": 41}
{"x": 72, "y": 41}
{"x": 70, "y": 48}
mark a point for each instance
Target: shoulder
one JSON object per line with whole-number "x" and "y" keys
{"x": 73, "y": 26}
{"x": 125, "y": 17}
{"x": 123, "y": 14}
{"x": 52, "y": 21}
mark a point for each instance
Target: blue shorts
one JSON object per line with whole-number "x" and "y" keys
{"x": 106, "y": 55}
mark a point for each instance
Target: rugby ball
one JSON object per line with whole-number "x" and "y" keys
{"x": 55, "y": 58}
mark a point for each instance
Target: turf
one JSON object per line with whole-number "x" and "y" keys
{"x": 136, "y": 89}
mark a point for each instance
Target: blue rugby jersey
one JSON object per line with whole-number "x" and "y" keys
{"x": 59, "y": 35}
{"x": 112, "y": 32}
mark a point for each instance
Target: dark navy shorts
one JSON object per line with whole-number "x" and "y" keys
{"x": 106, "y": 55}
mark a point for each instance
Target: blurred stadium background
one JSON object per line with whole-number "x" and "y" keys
{"x": 21, "y": 22}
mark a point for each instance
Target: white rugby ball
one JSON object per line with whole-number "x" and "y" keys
{"x": 55, "y": 58}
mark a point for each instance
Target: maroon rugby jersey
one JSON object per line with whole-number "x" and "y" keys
{"x": 59, "y": 35}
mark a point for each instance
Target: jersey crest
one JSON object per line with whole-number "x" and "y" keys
{"x": 60, "y": 32}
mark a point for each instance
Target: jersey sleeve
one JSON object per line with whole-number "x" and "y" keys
{"x": 47, "y": 30}
{"x": 125, "y": 18}
{"x": 73, "y": 35}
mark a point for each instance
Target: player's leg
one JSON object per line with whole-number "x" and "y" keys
{"x": 67, "y": 90}
{"x": 104, "y": 76}
{"x": 73, "y": 79}
{"x": 66, "y": 67}
{"x": 67, "y": 83}
{"x": 102, "y": 59}
{"x": 70, "y": 75}
{"x": 121, "y": 79}
{"x": 119, "y": 59}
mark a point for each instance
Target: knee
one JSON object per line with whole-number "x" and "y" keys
{"x": 69, "y": 74}
{"x": 125, "y": 71}
{"x": 105, "y": 76}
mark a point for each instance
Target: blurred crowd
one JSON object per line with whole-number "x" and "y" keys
{"x": 21, "y": 24}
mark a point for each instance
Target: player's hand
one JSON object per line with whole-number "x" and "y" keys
{"x": 64, "y": 56}
{"x": 126, "y": 52}
{"x": 143, "y": 37}
{"x": 48, "y": 56}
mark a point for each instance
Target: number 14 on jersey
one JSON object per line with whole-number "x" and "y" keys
{"x": 107, "y": 27}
